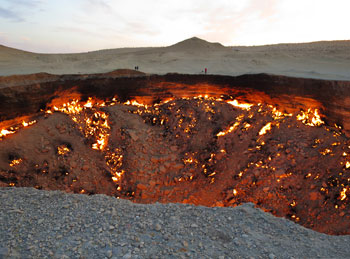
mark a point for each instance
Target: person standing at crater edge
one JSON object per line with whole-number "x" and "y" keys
{"x": 205, "y": 70}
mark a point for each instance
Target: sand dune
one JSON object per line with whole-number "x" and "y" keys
{"x": 324, "y": 60}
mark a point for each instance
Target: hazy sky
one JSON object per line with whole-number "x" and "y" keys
{"x": 84, "y": 25}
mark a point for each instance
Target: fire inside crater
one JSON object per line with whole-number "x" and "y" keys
{"x": 203, "y": 150}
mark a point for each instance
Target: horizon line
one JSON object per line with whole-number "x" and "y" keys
{"x": 194, "y": 37}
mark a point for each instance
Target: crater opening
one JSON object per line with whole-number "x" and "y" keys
{"x": 203, "y": 140}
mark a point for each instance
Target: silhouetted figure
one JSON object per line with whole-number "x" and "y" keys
{"x": 205, "y": 70}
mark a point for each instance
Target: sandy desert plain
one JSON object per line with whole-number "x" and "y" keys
{"x": 324, "y": 60}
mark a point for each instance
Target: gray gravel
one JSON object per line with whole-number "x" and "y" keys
{"x": 53, "y": 224}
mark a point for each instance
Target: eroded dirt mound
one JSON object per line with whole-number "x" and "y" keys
{"x": 17, "y": 80}
{"x": 37, "y": 78}
{"x": 124, "y": 72}
{"x": 203, "y": 151}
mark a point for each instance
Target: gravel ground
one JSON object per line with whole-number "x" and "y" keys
{"x": 53, "y": 224}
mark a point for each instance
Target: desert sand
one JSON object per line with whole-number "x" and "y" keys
{"x": 322, "y": 60}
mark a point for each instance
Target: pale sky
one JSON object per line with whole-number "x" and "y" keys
{"x": 61, "y": 26}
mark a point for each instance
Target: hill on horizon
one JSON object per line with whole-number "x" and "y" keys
{"x": 190, "y": 43}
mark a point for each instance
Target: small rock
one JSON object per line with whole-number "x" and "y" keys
{"x": 177, "y": 166}
{"x": 162, "y": 169}
{"x": 219, "y": 204}
{"x": 157, "y": 227}
{"x": 3, "y": 252}
{"x": 314, "y": 196}
{"x": 279, "y": 172}
{"x": 85, "y": 168}
{"x": 141, "y": 186}
{"x": 127, "y": 255}
{"x": 109, "y": 253}
{"x": 133, "y": 135}
{"x": 144, "y": 195}
{"x": 73, "y": 164}
{"x": 154, "y": 160}
{"x": 45, "y": 150}
{"x": 173, "y": 148}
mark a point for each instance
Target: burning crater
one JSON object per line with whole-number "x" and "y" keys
{"x": 203, "y": 140}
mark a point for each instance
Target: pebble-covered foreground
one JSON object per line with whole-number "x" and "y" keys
{"x": 53, "y": 224}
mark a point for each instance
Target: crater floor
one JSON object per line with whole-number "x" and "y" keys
{"x": 215, "y": 152}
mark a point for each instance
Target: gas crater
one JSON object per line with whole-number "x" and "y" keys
{"x": 202, "y": 140}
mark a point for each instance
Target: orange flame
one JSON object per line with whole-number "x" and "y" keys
{"x": 343, "y": 194}
{"x": 347, "y": 165}
{"x": 16, "y": 162}
{"x": 264, "y": 129}
{"x": 26, "y": 124}
{"x": 244, "y": 106}
{"x": 5, "y": 132}
{"x": 231, "y": 128}
{"x": 135, "y": 103}
{"x": 310, "y": 118}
